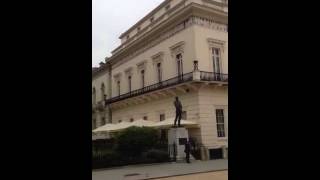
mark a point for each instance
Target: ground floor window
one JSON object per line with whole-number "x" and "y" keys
{"x": 220, "y": 122}
{"x": 216, "y": 153}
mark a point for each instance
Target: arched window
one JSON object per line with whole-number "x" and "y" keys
{"x": 93, "y": 95}
{"x": 102, "y": 91}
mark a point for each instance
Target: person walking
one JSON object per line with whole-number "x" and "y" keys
{"x": 187, "y": 151}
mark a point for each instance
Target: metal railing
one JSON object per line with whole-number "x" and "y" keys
{"x": 211, "y": 76}
{"x": 163, "y": 84}
{"x": 204, "y": 76}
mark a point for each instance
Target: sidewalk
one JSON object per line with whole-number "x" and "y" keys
{"x": 158, "y": 170}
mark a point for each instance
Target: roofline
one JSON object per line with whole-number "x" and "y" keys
{"x": 144, "y": 18}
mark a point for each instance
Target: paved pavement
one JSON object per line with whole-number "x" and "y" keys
{"x": 135, "y": 172}
{"x": 214, "y": 175}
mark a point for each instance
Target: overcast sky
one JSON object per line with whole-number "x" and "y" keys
{"x": 111, "y": 18}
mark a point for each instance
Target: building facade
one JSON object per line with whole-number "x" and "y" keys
{"x": 178, "y": 49}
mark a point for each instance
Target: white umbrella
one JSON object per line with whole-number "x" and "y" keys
{"x": 170, "y": 121}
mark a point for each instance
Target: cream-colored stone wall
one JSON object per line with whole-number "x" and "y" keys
{"x": 154, "y": 108}
{"x": 169, "y": 63}
{"x": 203, "y": 51}
{"x": 96, "y": 83}
{"x": 210, "y": 99}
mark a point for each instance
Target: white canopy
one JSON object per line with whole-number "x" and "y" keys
{"x": 106, "y": 127}
{"x": 170, "y": 121}
{"x": 141, "y": 123}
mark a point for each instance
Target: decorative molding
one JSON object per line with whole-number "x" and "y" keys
{"x": 117, "y": 76}
{"x": 177, "y": 48}
{"x": 157, "y": 58}
{"x": 128, "y": 71}
{"x": 192, "y": 20}
{"x": 216, "y": 43}
{"x": 142, "y": 65}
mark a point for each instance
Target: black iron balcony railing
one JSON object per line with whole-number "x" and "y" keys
{"x": 211, "y": 76}
{"x": 163, "y": 84}
{"x": 204, "y": 76}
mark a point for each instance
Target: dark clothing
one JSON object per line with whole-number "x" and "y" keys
{"x": 178, "y": 118}
{"x": 178, "y": 106}
{"x": 187, "y": 151}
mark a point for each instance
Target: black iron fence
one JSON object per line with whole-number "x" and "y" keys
{"x": 211, "y": 76}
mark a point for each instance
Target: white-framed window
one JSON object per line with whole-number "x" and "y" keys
{"x": 103, "y": 120}
{"x": 94, "y": 123}
{"x": 216, "y": 58}
{"x": 159, "y": 72}
{"x": 179, "y": 64}
{"x": 129, "y": 83}
{"x": 102, "y": 91}
{"x": 220, "y": 122}
{"x": 118, "y": 86}
{"x": 93, "y": 95}
{"x": 142, "y": 78}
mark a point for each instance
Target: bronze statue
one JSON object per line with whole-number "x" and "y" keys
{"x": 178, "y": 107}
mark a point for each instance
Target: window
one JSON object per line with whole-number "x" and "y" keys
{"x": 168, "y": 7}
{"x": 129, "y": 80}
{"x": 102, "y": 91}
{"x": 216, "y": 62}
{"x": 162, "y": 117}
{"x": 151, "y": 19}
{"x": 159, "y": 72}
{"x": 184, "y": 115}
{"x": 145, "y": 117}
{"x": 220, "y": 122}
{"x": 93, "y": 95}
{"x": 179, "y": 64}
{"x": 131, "y": 120}
{"x": 93, "y": 123}
{"x": 142, "y": 78}
{"x": 118, "y": 84}
{"x": 103, "y": 121}
{"x": 119, "y": 121}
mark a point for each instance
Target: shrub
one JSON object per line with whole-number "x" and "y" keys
{"x": 134, "y": 140}
{"x": 157, "y": 155}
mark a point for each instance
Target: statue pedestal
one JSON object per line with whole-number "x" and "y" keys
{"x": 176, "y": 141}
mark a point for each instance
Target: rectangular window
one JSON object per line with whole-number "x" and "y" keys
{"x": 159, "y": 72}
{"x": 216, "y": 59}
{"x": 129, "y": 80}
{"x": 119, "y": 121}
{"x": 103, "y": 121}
{"x": 179, "y": 65}
{"x": 131, "y": 120}
{"x": 220, "y": 122}
{"x": 145, "y": 117}
{"x": 142, "y": 78}
{"x": 184, "y": 115}
{"x": 93, "y": 124}
{"x": 162, "y": 117}
{"x": 118, "y": 84}
{"x": 168, "y": 7}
